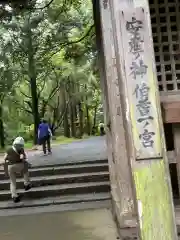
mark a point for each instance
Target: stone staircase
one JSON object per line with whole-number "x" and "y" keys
{"x": 56, "y": 185}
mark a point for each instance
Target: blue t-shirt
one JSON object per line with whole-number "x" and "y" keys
{"x": 43, "y": 130}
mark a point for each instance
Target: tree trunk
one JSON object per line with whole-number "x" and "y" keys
{"x": 94, "y": 121}
{"x": 53, "y": 120}
{"x": 35, "y": 108}
{"x": 81, "y": 125}
{"x": 88, "y": 125}
{"x": 72, "y": 120}
{"x": 65, "y": 111}
{"x": 2, "y": 137}
{"x": 66, "y": 125}
{"x": 32, "y": 78}
{"x": 43, "y": 109}
{"x": 95, "y": 114}
{"x": 75, "y": 112}
{"x": 72, "y": 108}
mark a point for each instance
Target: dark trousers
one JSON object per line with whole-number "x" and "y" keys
{"x": 46, "y": 141}
{"x": 102, "y": 131}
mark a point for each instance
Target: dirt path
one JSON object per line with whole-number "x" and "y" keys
{"x": 93, "y": 148}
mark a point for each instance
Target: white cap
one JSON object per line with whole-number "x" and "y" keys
{"x": 18, "y": 141}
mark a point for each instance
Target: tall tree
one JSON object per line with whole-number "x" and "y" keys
{"x": 36, "y": 35}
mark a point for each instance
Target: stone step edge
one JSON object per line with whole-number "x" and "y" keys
{"x": 97, "y": 161}
{"x": 51, "y": 168}
{"x": 106, "y": 204}
{"x": 58, "y": 176}
{"x": 58, "y": 187}
{"x": 80, "y": 198}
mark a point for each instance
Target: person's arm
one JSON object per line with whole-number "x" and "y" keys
{"x": 5, "y": 157}
{"x": 50, "y": 132}
{"x": 39, "y": 131}
{"x": 5, "y": 164}
{"x": 23, "y": 156}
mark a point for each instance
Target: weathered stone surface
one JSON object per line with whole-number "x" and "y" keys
{"x": 79, "y": 225}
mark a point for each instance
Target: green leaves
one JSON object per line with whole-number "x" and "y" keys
{"x": 36, "y": 20}
{"x": 53, "y": 47}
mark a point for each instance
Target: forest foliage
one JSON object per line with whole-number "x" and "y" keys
{"x": 48, "y": 63}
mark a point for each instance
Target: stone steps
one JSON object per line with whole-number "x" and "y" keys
{"x": 63, "y": 189}
{"x": 56, "y": 208}
{"x": 60, "y": 184}
{"x": 67, "y": 199}
{"x": 59, "y": 179}
{"x": 70, "y": 163}
{"x": 59, "y": 169}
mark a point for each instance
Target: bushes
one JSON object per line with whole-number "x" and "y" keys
{"x": 25, "y": 132}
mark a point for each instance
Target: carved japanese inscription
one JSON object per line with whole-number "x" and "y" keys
{"x": 140, "y": 81}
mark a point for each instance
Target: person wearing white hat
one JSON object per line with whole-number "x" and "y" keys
{"x": 15, "y": 158}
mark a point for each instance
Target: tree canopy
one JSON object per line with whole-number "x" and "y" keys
{"x": 48, "y": 62}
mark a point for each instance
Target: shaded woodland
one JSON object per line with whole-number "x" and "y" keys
{"x": 48, "y": 68}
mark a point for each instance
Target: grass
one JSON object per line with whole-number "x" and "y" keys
{"x": 58, "y": 140}
{"x": 64, "y": 140}
{"x": 28, "y": 145}
{"x": 1, "y": 150}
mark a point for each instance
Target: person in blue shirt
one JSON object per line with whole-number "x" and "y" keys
{"x": 44, "y": 136}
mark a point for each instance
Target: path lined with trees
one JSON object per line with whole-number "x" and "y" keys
{"x": 48, "y": 67}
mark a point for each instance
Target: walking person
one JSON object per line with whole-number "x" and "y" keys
{"x": 15, "y": 161}
{"x": 101, "y": 128}
{"x": 44, "y": 136}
